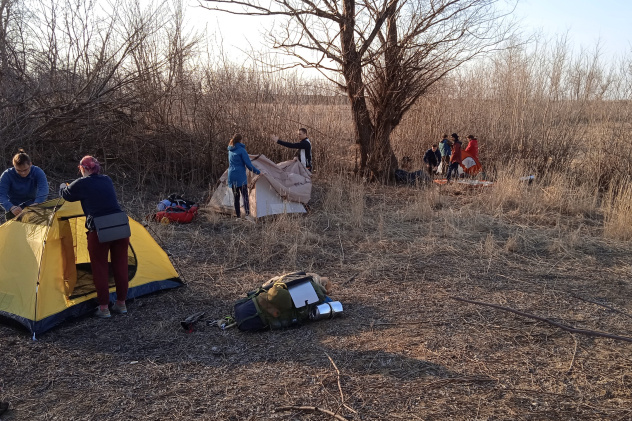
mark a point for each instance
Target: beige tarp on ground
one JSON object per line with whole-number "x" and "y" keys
{"x": 280, "y": 188}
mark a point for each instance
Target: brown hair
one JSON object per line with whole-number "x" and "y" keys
{"x": 303, "y": 130}
{"x": 21, "y": 158}
{"x": 235, "y": 139}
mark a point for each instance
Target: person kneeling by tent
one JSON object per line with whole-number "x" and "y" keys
{"x": 108, "y": 232}
{"x": 23, "y": 185}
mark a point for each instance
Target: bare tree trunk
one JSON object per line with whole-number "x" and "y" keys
{"x": 352, "y": 72}
{"x": 382, "y": 162}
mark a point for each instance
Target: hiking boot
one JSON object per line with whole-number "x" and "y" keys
{"x": 102, "y": 314}
{"x": 119, "y": 309}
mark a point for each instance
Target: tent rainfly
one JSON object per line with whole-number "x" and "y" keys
{"x": 280, "y": 188}
{"x": 45, "y": 273}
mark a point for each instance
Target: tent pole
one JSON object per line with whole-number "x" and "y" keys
{"x": 39, "y": 267}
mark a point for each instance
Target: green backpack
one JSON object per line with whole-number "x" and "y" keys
{"x": 271, "y": 306}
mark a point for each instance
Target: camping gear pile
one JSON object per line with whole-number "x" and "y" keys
{"x": 45, "y": 271}
{"x": 286, "y": 301}
{"x": 285, "y": 187}
{"x": 175, "y": 208}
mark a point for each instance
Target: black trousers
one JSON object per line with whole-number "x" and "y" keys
{"x": 243, "y": 191}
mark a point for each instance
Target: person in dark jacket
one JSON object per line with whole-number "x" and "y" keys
{"x": 432, "y": 158}
{"x": 455, "y": 159}
{"x": 98, "y": 198}
{"x": 23, "y": 185}
{"x": 446, "y": 150}
{"x": 238, "y": 161}
{"x": 304, "y": 147}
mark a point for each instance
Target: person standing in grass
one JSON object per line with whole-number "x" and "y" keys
{"x": 98, "y": 198}
{"x": 304, "y": 147}
{"x": 431, "y": 159}
{"x": 238, "y": 161}
{"x": 472, "y": 146}
{"x": 455, "y": 159}
{"x": 446, "y": 151}
{"x": 23, "y": 185}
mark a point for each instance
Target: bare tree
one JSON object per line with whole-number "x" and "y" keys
{"x": 384, "y": 54}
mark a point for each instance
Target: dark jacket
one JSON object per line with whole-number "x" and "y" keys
{"x": 238, "y": 161}
{"x": 97, "y": 196}
{"x": 16, "y": 190}
{"x": 430, "y": 157}
{"x": 304, "y": 152}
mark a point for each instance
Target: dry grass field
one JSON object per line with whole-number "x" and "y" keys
{"x": 405, "y": 349}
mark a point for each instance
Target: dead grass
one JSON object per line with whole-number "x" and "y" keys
{"x": 404, "y": 350}
{"x": 618, "y": 212}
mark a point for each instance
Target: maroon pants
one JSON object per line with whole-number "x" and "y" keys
{"x": 99, "y": 262}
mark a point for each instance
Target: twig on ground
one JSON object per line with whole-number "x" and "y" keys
{"x": 349, "y": 280}
{"x": 542, "y": 319}
{"x": 342, "y": 250}
{"x": 570, "y": 367}
{"x": 395, "y": 324}
{"x": 235, "y": 267}
{"x": 342, "y": 396}
{"x": 311, "y": 409}
{"x": 601, "y": 305}
{"x": 459, "y": 380}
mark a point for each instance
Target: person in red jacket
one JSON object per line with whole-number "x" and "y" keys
{"x": 455, "y": 159}
{"x": 472, "y": 146}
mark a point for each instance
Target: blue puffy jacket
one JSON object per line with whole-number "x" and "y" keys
{"x": 238, "y": 161}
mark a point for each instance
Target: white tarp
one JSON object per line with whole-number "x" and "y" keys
{"x": 280, "y": 188}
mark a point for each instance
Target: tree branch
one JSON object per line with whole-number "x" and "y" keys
{"x": 549, "y": 321}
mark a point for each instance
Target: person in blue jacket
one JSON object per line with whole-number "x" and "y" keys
{"x": 446, "y": 150}
{"x": 238, "y": 161}
{"x": 23, "y": 185}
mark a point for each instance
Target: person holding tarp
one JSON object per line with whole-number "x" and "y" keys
{"x": 108, "y": 232}
{"x": 23, "y": 185}
{"x": 455, "y": 159}
{"x": 304, "y": 147}
{"x": 238, "y": 161}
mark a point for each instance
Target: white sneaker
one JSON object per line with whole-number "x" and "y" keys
{"x": 249, "y": 218}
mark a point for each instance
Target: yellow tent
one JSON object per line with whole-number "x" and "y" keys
{"x": 45, "y": 274}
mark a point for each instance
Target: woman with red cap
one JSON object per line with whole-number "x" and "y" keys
{"x": 98, "y": 198}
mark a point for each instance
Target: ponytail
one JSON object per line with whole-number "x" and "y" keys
{"x": 21, "y": 158}
{"x": 235, "y": 139}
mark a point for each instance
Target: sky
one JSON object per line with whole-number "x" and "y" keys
{"x": 586, "y": 21}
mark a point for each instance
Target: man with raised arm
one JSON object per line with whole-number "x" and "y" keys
{"x": 304, "y": 153}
